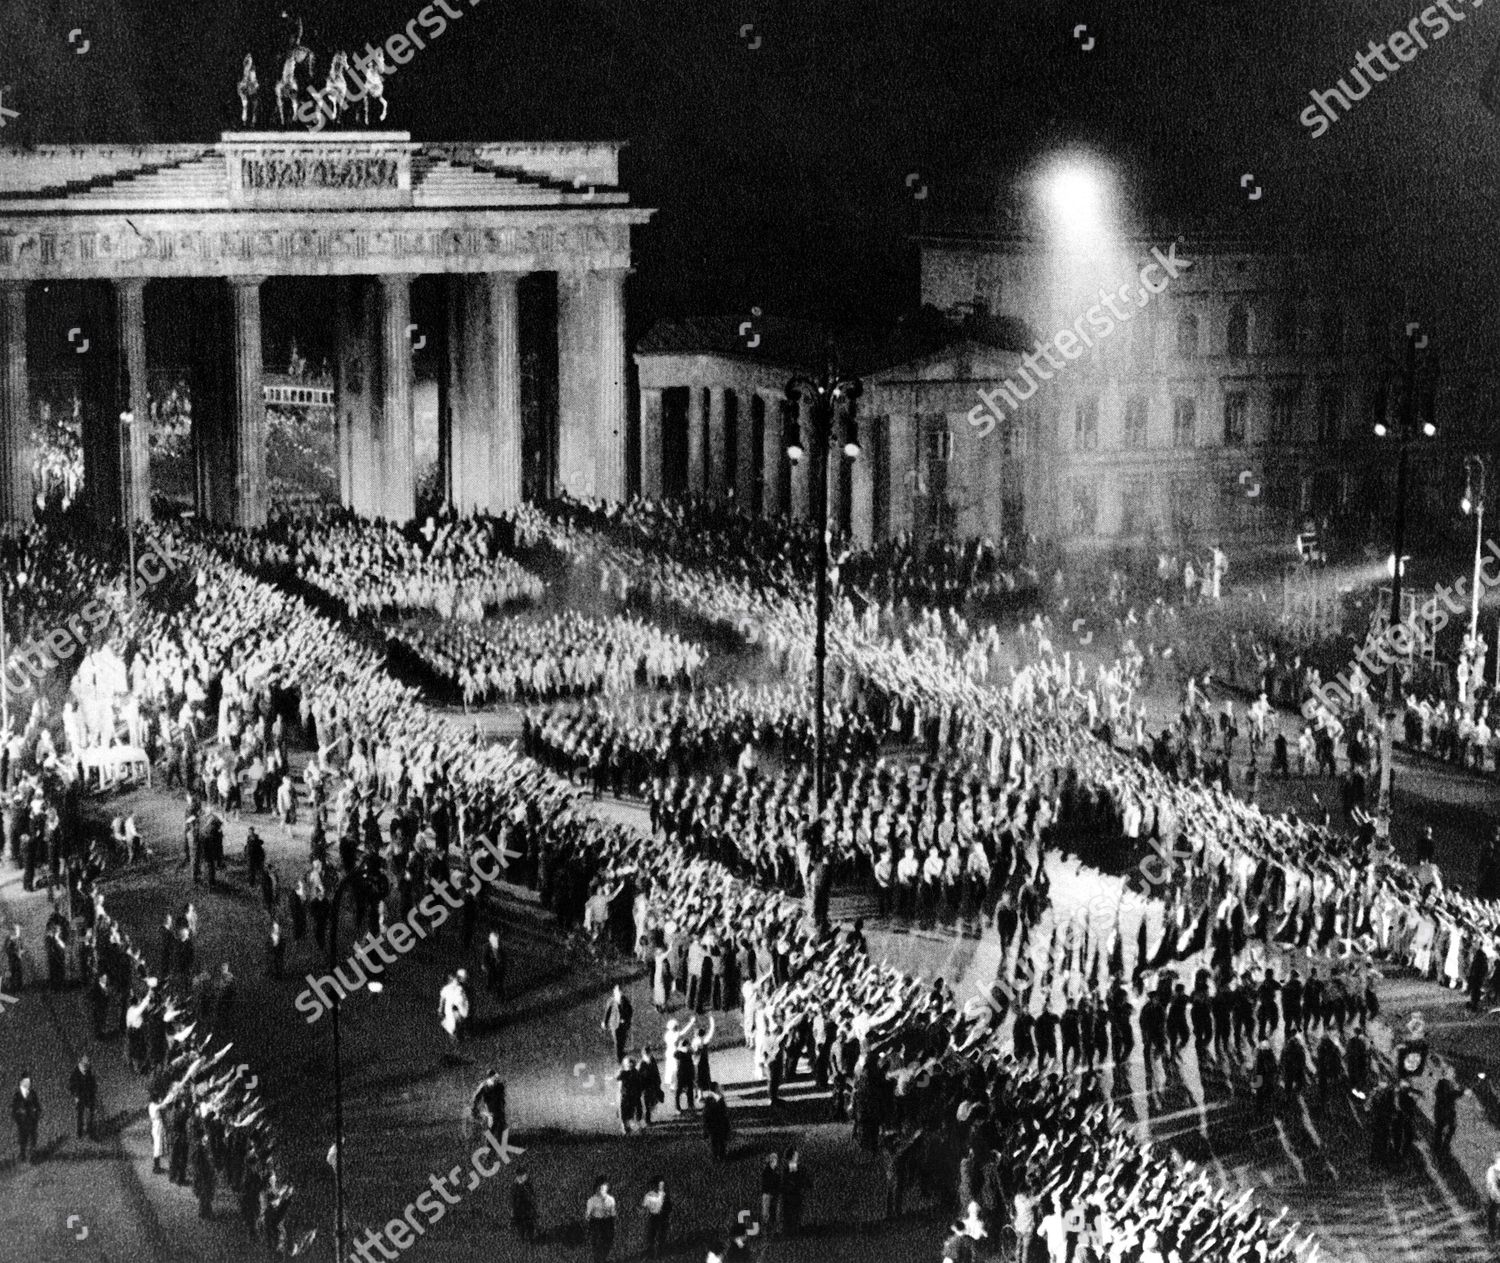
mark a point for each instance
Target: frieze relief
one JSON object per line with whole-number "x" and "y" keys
{"x": 587, "y": 244}
{"x": 270, "y": 173}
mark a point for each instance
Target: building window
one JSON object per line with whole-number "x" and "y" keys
{"x": 940, "y": 445}
{"x": 1135, "y": 505}
{"x": 1284, "y": 414}
{"x": 1184, "y": 423}
{"x": 1333, "y": 330}
{"x": 1182, "y": 494}
{"x": 1086, "y": 424}
{"x": 1330, "y": 414}
{"x": 1134, "y": 430}
{"x": 1187, "y": 335}
{"x": 1285, "y": 331}
{"x": 1236, "y": 412}
{"x": 1085, "y": 509}
{"x": 1237, "y": 341}
{"x": 1012, "y": 439}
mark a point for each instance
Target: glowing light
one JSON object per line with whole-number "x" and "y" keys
{"x": 1380, "y": 429}
{"x": 1076, "y": 193}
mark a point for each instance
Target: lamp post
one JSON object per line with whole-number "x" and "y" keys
{"x": 1473, "y": 503}
{"x": 127, "y": 493}
{"x": 825, "y": 393}
{"x": 1407, "y": 436}
{"x": 379, "y": 886}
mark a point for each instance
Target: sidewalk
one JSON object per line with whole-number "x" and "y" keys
{"x": 89, "y": 1200}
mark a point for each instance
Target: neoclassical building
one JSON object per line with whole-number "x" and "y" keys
{"x": 366, "y": 212}
{"x": 1236, "y": 403}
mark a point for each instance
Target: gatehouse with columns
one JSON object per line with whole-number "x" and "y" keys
{"x": 368, "y": 212}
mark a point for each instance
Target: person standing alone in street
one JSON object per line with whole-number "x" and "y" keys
{"x": 599, "y": 1220}
{"x": 618, "y": 1015}
{"x": 83, "y": 1086}
{"x": 1446, "y": 1095}
{"x": 657, "y": 1206}
{"x": 26, "y": 1111}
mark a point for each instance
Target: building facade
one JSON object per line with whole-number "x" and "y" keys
{"x": 364, "y": 213}
{"x": 1234, "y": 401}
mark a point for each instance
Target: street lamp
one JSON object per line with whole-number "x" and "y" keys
{"x": 1476, "y": 472}
{"x": 1405, "y": 437}
{"x": 127, "y": 494}
{"x": 378, "y": 885}
{"x": 828, "y": 394}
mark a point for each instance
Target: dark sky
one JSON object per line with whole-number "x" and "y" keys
{"x": 781, "y": 172}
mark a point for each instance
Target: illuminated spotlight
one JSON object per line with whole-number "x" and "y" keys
{"x": 1380, "y": 429}
{"x": 1390, "y": 564}
{"x": 1076, "y": 192}
{"x": 1429, "y": 429}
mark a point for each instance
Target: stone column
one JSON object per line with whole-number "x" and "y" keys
{"x": 395, "y": 458}
{"x": 696, "y": 432}
{"x": 575, "y": 338}
{"x": 247, "y": 409}
{"x": 130, "y": 329}
{"x": 800, "y": 500}
{"x": 651, "y": 423}
{"x": 611, "y": 430}
{"x": 16, "y": 502}
{"x": 862, "y": 487}
{"x": 773, "y": 457}
{"x": 486, "y": 397}
{"x": 902, "y": 501}
{"x": 745, "y": 455}
{"x": 593, "y": 434}
{"x": 718, "y": 449}
{"x": 503, "y": 351}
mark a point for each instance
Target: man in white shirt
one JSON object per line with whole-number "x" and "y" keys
{"x": 453, "y": 1009}
{"x": 1054, "y": 1231}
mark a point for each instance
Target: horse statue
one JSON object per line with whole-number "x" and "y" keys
{"x": 288, "y": 90}
{"x": 333, "y": 96}
{"x": 373, "y": 83}
{"x": 249, "y": 89}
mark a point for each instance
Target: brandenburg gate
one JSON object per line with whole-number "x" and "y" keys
{"x": 370, "y": 211}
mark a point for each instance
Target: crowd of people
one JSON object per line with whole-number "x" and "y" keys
{"x": 1018, "y": 752}
{"x": 565, "y": 655}
{"x": 457, "y": 568}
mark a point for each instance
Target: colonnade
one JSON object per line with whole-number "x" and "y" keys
{"x": 751, "y": 469}
{"x": 480, "y": 386}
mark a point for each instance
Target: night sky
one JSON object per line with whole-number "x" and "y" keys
{"x": 781, "y": 171}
